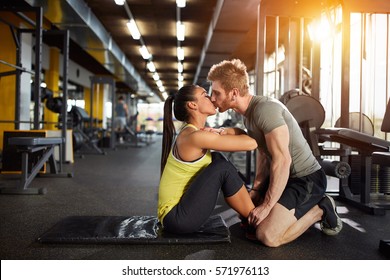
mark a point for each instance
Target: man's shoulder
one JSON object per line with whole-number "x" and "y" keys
{"x": 264, "y": 103}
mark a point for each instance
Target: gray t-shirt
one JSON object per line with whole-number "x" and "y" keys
{"x": 265, "y": 114}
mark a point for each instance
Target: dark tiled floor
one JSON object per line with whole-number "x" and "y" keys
{"x": 124, "y": 183}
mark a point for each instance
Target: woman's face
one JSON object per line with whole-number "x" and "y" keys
{"x": 205, "y": 105}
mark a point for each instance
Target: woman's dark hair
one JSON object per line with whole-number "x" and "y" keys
{"x": 179, "y": 101}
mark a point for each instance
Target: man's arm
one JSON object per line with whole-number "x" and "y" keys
{"x": 262, "y": 169}
{"x": 277, "y": 143}
{"x": 126, "y": 109}
{"x": 262, "y": 173}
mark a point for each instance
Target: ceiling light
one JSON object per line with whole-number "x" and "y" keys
{"x": 165, "y": 95}
{"x": 122, "y": 2}
{"x": 159, "y": 83}
{"x": 151, "y": 66}
{"x": 155, "y": 76}
{"x": 145, "y": 53}
{"x": 132, "y": 26}
{"x": 162, "y": 89}
{"x": 180, "y": 31}
{"x": 180, "y": 84}
{"x": 180, "y": 67}
{"x": 180, "y": 77}
{"x": 181, "y": 3}
{"x": 180, "y": 53}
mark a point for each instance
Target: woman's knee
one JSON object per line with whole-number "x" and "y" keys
{"x": 221, "y": 162}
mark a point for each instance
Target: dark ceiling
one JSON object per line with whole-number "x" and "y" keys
{"x": 156, "y": 21}
{"x": 101, "y": 42}
{"x": 234, "y": 34}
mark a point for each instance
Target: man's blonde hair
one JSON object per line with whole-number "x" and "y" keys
{"x": 231, "y": 74}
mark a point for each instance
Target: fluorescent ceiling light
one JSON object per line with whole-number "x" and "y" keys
{"x": 159, "y": 83}
{"x": 180, "y": 67}
{"x": 162, "y": 89}
{"x": 180, "y": 84}
{"x": 156, "y": 77}
{"x": 121, "y": 2}
{"x": 180, "y": 77}
{"x": 132, "y": 26}
{"x": 180, "y": 31}
{"x": 181, "y": 3}
{"x": 180, "y": 53}
{"x": 151, "y": 66}
{"x": 144, "y": 52}
{"x": 165, "y": 95}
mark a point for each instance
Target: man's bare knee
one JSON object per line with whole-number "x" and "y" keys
{"x": 267, "y": 238}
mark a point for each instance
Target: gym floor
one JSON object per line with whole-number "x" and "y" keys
{"x": 124, "y": 182}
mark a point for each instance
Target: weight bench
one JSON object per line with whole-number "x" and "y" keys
{"x": 367, "y": 146}
{"x": 27, "y": 146}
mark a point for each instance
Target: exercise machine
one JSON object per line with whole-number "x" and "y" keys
{"x": 84, "y": 135}
{"x": 310, "y": 115}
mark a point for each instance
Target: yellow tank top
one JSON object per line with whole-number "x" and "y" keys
{"x": 176, "y": 178}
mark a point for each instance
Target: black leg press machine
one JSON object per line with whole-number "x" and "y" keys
{"x": 358, "y": 152}
{"x": 28, "y": 147}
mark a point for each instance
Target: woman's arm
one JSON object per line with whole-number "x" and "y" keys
{"x": 226, "y": 141}
{"x": 225, "y": 130}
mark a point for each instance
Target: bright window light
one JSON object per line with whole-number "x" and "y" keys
{"x": 180, "y": 31}
{"x": 145, "y": 53}
{"x": 121, "y": 2}
{"x": 108, "y": 109}
{"x": 320, "y": 30}
{"x": 151, "y": 66}
{"x": 181, "y": 3}
{"x": 132, "y": 26}
{"x": 180, "y": 53}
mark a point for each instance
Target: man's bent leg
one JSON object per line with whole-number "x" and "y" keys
{"x": 281, "y": 226}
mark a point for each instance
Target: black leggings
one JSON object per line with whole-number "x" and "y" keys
{"x": 198, "y": 202}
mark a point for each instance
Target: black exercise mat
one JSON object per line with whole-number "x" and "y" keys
{"x": 130, "y": 230}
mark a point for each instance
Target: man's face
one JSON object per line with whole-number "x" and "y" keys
{"x": 220, "y": 97}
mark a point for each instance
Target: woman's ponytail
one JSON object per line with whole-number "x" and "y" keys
{"x": 168, "y": 131}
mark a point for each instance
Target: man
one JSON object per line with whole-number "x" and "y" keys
{"x": 121, "y": 113}
{"x": 289, "y": 186}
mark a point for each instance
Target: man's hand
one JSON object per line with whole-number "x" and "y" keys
{"x": 220, "y": 131}
{"x": 258, "y": 214}
{"x": 256, "y": 197}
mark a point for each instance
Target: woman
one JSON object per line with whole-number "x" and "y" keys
{"x": 191, "y": 175}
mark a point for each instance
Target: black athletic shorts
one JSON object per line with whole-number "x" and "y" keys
{"x": 302, "y": 193}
